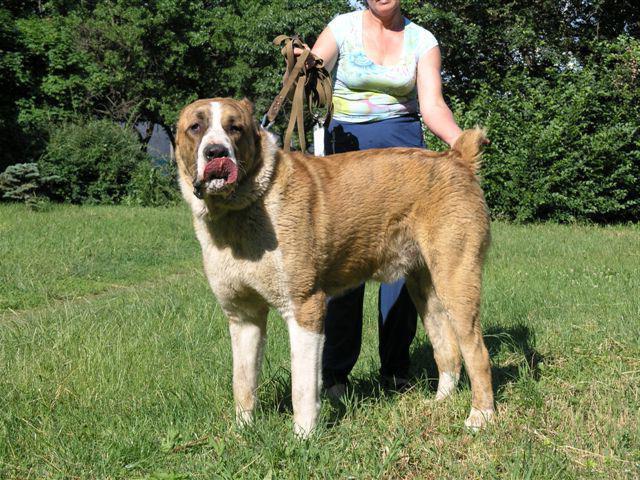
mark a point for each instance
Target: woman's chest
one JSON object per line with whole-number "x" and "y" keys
{"x": 357, "y": 71}
{"x": 383, "y": 48}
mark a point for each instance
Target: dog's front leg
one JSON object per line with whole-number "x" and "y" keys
{"x": 307, "y": 339}
{"x": 248, "y": 333}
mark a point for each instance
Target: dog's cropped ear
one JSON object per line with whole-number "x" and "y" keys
{"x": 247, "y": 104}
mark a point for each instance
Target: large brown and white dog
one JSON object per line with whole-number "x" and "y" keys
{"x": 288, "y": 230}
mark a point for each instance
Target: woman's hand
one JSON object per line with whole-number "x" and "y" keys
{"x": 298, "y": 51}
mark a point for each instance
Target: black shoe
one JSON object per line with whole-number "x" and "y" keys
{"x": 336, "y": 392}
{"x": 395, "y": 383}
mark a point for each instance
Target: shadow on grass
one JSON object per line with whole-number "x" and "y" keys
{"x": 512, "y": 351}
{"x": 519, "y": 343}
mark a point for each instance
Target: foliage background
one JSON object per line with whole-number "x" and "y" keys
{"x": 556, "y": 82}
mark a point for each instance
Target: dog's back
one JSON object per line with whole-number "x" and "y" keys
{"x": 363, "y": 211}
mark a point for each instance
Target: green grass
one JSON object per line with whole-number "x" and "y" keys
{"x": 72, "y": 251}
{"x": 115, "y": 362}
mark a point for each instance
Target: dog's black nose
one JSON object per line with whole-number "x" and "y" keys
{"x": 215, "y": 150}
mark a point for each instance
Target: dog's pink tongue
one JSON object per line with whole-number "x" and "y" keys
{"x": 222, "y": 167}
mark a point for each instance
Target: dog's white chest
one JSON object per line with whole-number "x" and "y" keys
{"x": 241, "y": 273}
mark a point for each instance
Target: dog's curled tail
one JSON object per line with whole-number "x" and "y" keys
{"x": 469, "y": 147}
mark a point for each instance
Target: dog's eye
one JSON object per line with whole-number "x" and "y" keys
{"x": 195, "y": 128}
{"x": 235, "y": 128}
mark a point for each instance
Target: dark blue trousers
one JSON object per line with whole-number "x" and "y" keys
{"x": 397, "y": 316}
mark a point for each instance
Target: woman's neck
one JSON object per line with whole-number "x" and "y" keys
{"x": 393, "y": 21}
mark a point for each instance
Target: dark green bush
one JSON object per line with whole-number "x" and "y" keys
{"x": 565, "y": 148}
{"x": 152, "y": 186}
{"x": 99, "y": 161}
{"x": 93, "y": 162}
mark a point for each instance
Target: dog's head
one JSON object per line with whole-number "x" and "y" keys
{"x": 218, "y": 147}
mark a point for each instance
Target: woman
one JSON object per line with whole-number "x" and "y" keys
{"x": 386, "y": 71}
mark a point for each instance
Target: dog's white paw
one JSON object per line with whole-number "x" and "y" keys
{"x": 479, "y": 418}
{"x": 244, "y": 417}
{"x": 303, "y": 431}
{"x": 447, "y": 383}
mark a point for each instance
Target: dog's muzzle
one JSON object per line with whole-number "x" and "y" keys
{"x": 219, "y": 177}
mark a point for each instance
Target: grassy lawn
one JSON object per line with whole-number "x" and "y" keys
{"x": 115, "y": 362}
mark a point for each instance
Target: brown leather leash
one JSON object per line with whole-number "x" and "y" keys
{"x": 305, "y": 79}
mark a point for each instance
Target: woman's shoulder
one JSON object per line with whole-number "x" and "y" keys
{"x": 345, "y": 19}
{"x": 420, "y": 39}
{"x": 349, "y": 15}
{"x": 342, "y": 26}
{"x": 417, "y": 30}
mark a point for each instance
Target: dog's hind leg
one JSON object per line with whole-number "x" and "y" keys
{"x": 454, "y": 259}
{"x": 440, "y": 332}
{"x": 306, "y": 336}
{"x": 248, "y": 332}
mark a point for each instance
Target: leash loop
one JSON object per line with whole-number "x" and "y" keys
{"x": 305, "y": 79}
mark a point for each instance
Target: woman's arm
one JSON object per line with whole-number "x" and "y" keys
{"x": 326, "y": 48}
{"x": 436, "y": 115}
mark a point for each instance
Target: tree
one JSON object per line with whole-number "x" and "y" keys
{"x": 557, "y": 81}
{"x": 145, "y": 60}
{"x": 485, "y": 41}
{"x": 13, "y": 81}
